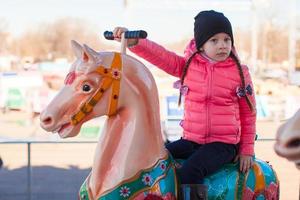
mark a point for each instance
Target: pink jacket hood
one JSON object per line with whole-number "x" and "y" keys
{"x": 190, "y": 48}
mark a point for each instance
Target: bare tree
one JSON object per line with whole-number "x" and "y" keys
{"x": 273, "y": 42}
{"x": 50, "y": 41}
{"x": 3, "y": 35}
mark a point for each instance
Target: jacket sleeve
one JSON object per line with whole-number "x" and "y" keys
{"x": 166, "y": 60}
{"x": 248, "y": 119}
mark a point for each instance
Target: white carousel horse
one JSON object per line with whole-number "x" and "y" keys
{"x": 131, "y": 161}
{"x": 288, "y": 139}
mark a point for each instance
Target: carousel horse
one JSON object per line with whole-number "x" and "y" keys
{"x": 288, "y": 139}
{"x": 131, "y": 161}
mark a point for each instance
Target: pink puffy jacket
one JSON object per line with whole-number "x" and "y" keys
{"x": 213, "y": 110}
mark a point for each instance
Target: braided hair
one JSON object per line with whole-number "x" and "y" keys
{"x": 234, "y": 57}
{"x": 184, "y": 72}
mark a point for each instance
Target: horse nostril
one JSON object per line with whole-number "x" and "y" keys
{"x": 294, "y": 143}
{"x": 47, "y": 121}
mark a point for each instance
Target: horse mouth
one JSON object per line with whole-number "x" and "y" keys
{"x": 64, "y": 129}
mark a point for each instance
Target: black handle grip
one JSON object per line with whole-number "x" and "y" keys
{"x": 128, "y": 34}
{"x": 109, "y": 35}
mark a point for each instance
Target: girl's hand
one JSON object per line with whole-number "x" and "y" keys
{"x": 246, "y": 163}
{"x": 118, "y": 33}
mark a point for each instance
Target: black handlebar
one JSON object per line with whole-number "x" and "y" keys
{"x": 128, "y": 34}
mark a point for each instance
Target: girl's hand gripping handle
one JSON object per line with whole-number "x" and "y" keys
{"x": 127, "y": 38}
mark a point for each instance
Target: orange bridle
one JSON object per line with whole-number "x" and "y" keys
{"x": 111, "y": 78}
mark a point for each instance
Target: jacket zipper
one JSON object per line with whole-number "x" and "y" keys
{"x": 211, "y": 67}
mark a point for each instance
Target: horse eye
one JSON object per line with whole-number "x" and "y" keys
{"x": 86, "y": 88}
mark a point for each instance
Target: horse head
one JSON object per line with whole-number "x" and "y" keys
{"x": 80, "y": 83}
{"x": 94, "y": 87}
{"x": 288, "y": 140}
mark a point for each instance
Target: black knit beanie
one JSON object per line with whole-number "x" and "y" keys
{"x": 207, "y": 24}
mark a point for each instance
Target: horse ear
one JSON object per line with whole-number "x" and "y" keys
{"x": 89, "y": 54}
{"x": 77, "y": 49}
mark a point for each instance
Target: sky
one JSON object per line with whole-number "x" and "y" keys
{"x": 164, "y": 20}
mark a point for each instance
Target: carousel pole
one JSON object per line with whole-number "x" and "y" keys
{"x": 123, "y": 44}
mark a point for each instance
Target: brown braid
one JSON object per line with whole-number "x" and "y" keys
{"x": 184, "y": 72}
{"x": 232, "y": 55}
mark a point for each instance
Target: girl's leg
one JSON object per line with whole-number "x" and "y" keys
{"x": 205, "y": 161}
{"x": 182, "y": 149}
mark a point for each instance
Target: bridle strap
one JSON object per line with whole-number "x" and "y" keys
{"x": 111, "y": 77}
{"x": 116, "y": 66}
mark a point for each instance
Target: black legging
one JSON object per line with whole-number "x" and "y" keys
{"x": 200, "y": 160}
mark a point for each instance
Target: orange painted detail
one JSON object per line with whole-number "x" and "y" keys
{"x": 260, "y": 179}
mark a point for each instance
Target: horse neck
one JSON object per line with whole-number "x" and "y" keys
{"x": 131, "y": 141}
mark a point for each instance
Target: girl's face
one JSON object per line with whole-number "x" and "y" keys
{"x": 218, "y": 47}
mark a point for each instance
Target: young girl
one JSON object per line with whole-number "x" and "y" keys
{"x": 219, "y": 106}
